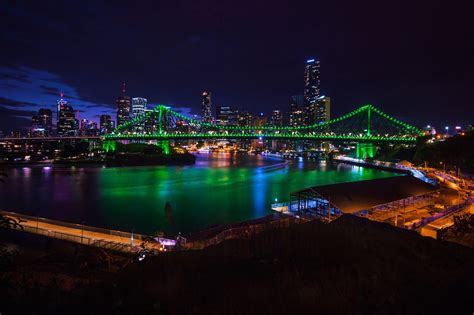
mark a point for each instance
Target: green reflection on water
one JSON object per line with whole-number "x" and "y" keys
{"x": 220, "y": 189}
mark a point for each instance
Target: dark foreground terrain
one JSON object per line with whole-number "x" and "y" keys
{"x": 351, "y": 266}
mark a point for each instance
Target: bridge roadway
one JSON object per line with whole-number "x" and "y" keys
{"x": 82, "y": 234}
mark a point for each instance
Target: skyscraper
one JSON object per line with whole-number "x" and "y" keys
{"x": 138, "y": 106}
{"x": 45, "y": 120}
{"x": 206, "y": 109}
{"x": 311, "y": 90}
{"x": 311, "y": 81}
{"x": 106, "y": 125}
{"x": 227, "y": 115}
{"x": 277, "y": 118}
{"x": 323, "y": 109}
{"x": 67, "y": 123}
{"x": 296, "y": 114}
{"x": 123, "y": 107}
{"x": 60, "y": 102}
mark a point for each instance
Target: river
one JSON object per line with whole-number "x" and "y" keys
{"x": 219, "y": 188}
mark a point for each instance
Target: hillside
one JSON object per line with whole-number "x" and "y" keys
{"x": 351, "y": 266}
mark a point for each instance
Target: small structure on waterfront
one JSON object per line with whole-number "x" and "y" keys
{"x": 328, "y": 202}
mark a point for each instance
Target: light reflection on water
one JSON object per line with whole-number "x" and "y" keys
{"x": 219, "y": 188}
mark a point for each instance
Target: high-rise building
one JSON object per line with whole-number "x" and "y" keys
{"x": 105, "y": 124}
{"x": 311, "y": 81}
{"x": 277, "y": 118}
{"x": 60, "y": 102}
{"x": 206, "y": 107}
{"x": 311, "y": 90}
{"x": 245, "y": 119}
{"x": 227, "y": 115}
{"x": 123, "y": 107}
{"x": 138, "y": 106}
{"x": 323, "y": 109}
{"x": 296, "y": 114}
{"x": 68, "y": 125}
{"x": 45, "y": 121}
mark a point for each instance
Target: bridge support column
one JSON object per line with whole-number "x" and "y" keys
{"x": 164, "y": 145}
{"x": 108, "y": 146}
{"x": 365, "y": 150}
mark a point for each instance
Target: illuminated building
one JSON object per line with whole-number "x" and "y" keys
{"x": 206, "y": 108}
{"x": 245, "y": 119}
{"x": 260, "y": 120}
{"x": 296, "y": 115}
{"x": 45, "y": 121}
{"x": 277, "y": 118}
{"x": 123, "y": 107}
{"x": 138, "y": 106}
{"x": 322, "y": 109}
{"x": 311, "y": 81}
{"x": 106, "y": 124}
{"x": 227, "y": 116}
{"x": 311, "y": 90}
{"x": 68, "y": 125}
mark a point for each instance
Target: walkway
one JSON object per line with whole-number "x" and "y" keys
{"x": 82, "y": 234}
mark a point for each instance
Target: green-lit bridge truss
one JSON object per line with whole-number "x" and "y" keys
{"x": 365, "y": 124}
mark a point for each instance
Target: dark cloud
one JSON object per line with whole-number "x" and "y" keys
{"x": 13, "y": 103}
{"x": 14, "y": 119}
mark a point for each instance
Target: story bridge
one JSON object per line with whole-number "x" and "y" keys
{"x": 364, "y": 125}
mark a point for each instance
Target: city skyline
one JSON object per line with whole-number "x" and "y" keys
{"x": 365, "y": 67}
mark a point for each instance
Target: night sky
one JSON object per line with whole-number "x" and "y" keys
{"x": 412, "y": 59}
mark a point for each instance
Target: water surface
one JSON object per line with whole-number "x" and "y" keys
{"x": 219, "y": 188}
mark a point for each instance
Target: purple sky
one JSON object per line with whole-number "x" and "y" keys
{"x": 412, "y": 59}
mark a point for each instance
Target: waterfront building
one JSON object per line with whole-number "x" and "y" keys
{"x": 206, "y": 108}
{"x": 295, "y": 115}
{"x": 323, "y": 109}
{"x": 277, "y": 118}
{"x": 227, "y": 116}
{"x": 68, "y": 125}
{"x": 123, "y": 109}
{"x": 138, "y": 106}
{"x": 260, "y": 120}
{"x": 42, "y": 123}
{"x": 60, "y": 103}
{"x": 245, "y": 119}
{"x": 106, "y": 126}
{"x": 311, "y": 90}
{"x": 311, "y": 81}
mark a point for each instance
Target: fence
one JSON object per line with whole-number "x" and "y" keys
{"x": 83, "y": 239}
{"x": 240, "y": 232}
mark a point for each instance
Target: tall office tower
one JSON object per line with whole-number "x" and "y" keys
{"x": 35, "y": 130}
{"x": 45, "y": 120}
{"x": 277, "y": 118}
{"x": 323, "y": 109}
{"x": 60, "y": 103}
{"x": 138, "y": 106}
{"x": 206, "y": 110}
{"x": 123, "y": 107}
{"x": 105, "y": 124}
{"x": 234, "y": 117}
{"x": 311, "y": 81}
{"x": 227, "y": 115}
{"x": 296, "y": 114}
{"x": 68, "y": 125}
{"x": 311, "y": 90}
